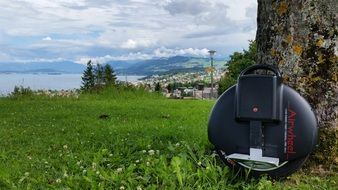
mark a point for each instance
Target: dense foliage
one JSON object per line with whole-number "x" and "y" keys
{"x": 97, "y": 77}
{"x": 88, "y": 79}
{"x": 21, "y": 91}
{"x": 238, "y": 61}
{"x": 109, "y": 75}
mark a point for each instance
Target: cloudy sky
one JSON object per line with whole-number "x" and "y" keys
{"x": 76, "y": 30}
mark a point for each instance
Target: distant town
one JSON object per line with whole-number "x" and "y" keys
{"x": 191, "y": 85}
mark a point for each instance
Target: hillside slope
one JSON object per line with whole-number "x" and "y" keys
{"x": 160, "y": 66}
{"x": 156, "y": 66}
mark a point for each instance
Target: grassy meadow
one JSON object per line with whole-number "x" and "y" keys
{"x": 126, "y": 139}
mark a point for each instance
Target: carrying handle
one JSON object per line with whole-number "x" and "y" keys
{"x": 261, "y": 67}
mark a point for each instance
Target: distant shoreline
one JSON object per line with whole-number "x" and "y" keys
{"x": 48, "y": 81}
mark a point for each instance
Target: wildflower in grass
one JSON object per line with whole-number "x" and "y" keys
{"x": 138, "y": 188}
{"x": 137, "y": 161}
{"x": 119, "y": 170}
{"x": 148, "y": 163}
{"x": 81, "y": 167}
{"x": 84, "y": 171}
{"x": 29, "y": 157}
{"x": 151, "y": 152}
{"x": 26, "y": 174}
{"x": 58, "y": 180}
{"x": 65, "y": 146}
{"x": 177, "y": 144}
{"x": 122, "y": 187}
{"x": 144, "y": 151}
{"x": 78, "y": 163}
{"x": 199, "y": 163}
{"x": 97, "y": 173}
{"x": 94, "y": 166}
{"x": 110, "y": 155}
{"x": 65, "y": 175}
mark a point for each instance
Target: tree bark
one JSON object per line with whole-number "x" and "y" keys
{"x": 300, "y": 37}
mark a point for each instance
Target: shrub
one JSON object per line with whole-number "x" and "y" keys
{"x": 21, "y": 91}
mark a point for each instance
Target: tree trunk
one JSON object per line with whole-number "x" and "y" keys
{"x": 300, "y": 36}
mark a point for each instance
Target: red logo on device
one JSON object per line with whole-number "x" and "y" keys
{"x": 291, "y": 132}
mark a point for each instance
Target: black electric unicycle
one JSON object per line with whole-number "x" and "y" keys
{"x": 262, "y": 124}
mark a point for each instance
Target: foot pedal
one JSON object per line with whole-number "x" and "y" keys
{"x": 256, "y": 155}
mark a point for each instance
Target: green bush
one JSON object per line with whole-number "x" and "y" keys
{"x": 21, "y": 91}
{"x": 238, "y": 61}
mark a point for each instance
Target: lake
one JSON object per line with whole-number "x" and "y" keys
{"x": 47, "y": 81}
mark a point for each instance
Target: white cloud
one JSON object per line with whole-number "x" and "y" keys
{"x": 107, "y": 58}
{"x": 129, "y": 44}
{"x": 206, "y": 12}
{"x": 165, "y": 52}
{"x": 123, "y": 29}
{"x": 132, "y": 44}
{"x": 157, "y": 53}
{"x": 47, "y": 38}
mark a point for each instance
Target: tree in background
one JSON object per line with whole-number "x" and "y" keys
{"x": 109, "y": 75}
{"x": 300, "y": 37}
{"x": 99, "y": 75}
{"x": 158, "y": 87}
{"x": 238, "y": 61}
{"x": 88, "y": 78}
{"x": 170, "y": 87}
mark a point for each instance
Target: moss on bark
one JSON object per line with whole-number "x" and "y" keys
{"x": 300, "y": 37}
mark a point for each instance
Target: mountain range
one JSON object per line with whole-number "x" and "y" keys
{"x": 135, "y": 67}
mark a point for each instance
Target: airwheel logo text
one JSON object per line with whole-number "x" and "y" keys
{"x": 291, "y": 118}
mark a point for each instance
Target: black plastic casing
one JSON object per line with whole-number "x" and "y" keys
{"x": 259, "y": 97}
{"x": 289, "y": 126}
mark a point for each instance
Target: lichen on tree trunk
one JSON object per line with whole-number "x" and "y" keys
{"x": 301, "y": 38}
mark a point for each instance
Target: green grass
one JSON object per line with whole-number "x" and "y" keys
{"x": 148, "y": 142}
